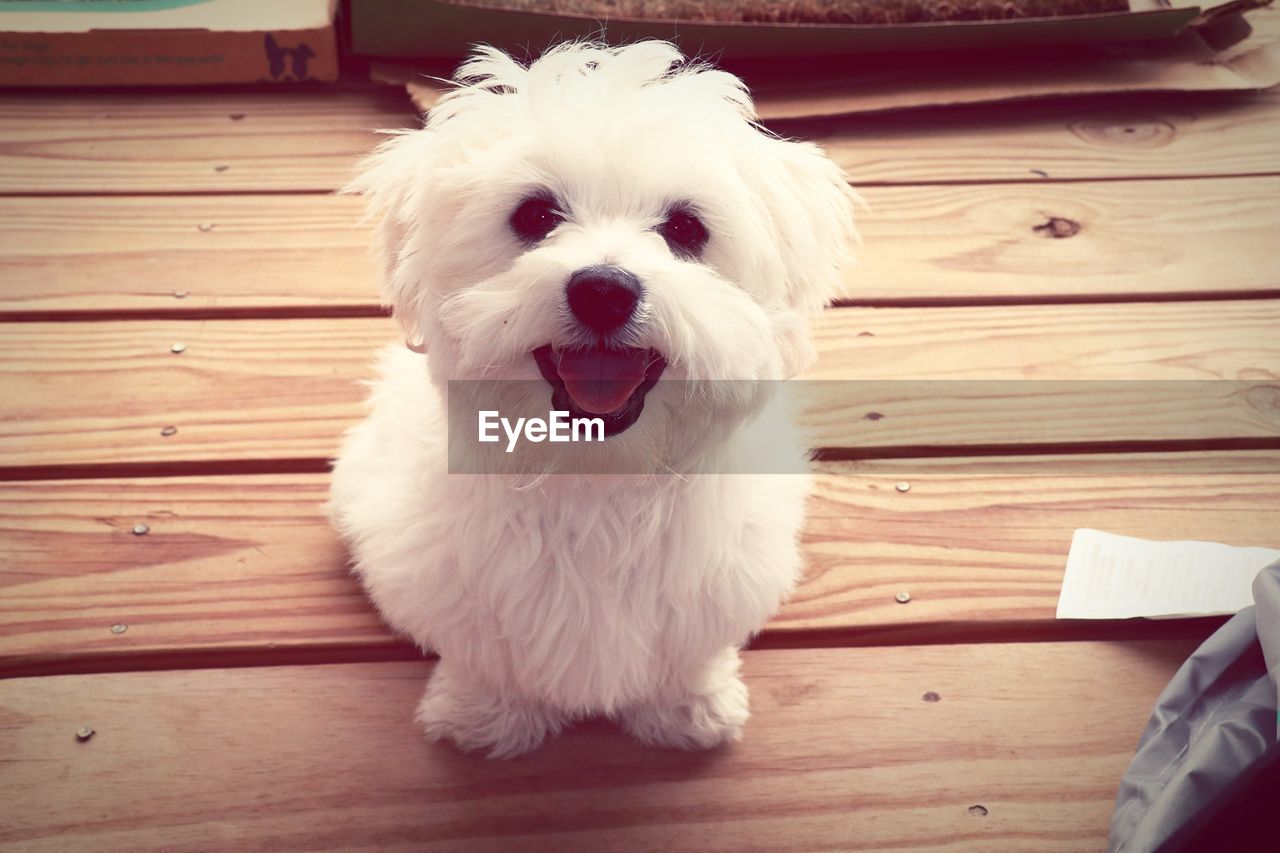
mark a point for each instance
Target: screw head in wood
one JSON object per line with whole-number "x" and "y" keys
{"x": 84, "y": 733}
{"x": 169, "y": 430}
{"x": 119, "y": 628}
{"x": 205, "y": 226}
{"x": 978, "y": 811}
{"x": 178, "y": 347}
{"x": 903, "y": 486}
{"x": 141, "y": 530}
{"x": 902, "y": 597}
{"x": 179, "y": 294}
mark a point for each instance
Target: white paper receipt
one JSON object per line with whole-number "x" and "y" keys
{"x": 1118, "y": 577}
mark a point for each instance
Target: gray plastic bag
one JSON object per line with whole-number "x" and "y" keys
{"x": 1217, "y": 716}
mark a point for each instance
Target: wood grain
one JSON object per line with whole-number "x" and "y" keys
{"x": 841, "y": 752}
{"x": 298, "y": 254}
{"x": 92, "y": 394}
{"x": 1068, "y": 241}
{"x": 191, "y": 141}
{"x": 245, "y": 253}
{"x": 247, "y": 568}
{"x": 227, "y": 564}
{"x": 1157, "y": 136}
{"x": 1179, "y": 340}
{"x": 241, "y": 390}
{"x": 983, "y": 542}
{"x": 179, "y": 142}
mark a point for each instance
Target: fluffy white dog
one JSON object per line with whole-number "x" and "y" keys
{"x": 594, "y": 229}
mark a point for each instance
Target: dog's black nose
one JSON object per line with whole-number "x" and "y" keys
{"x": 603, "y": 298}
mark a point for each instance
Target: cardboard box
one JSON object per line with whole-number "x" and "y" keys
{"x": 439, "y": 29}
{"x": 166, "y": 42}
{"x": 1233, "y": 53}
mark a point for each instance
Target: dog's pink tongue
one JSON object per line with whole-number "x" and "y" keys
{"x": 600, "y": 381}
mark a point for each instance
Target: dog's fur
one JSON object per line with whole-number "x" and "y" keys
{"x": 578, "y": 594}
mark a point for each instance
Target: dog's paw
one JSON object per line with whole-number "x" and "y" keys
{"x": 476, "y": 720}
{"x": 709, "y": 713}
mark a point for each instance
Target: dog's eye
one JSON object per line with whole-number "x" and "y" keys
{"x": 534, "y": 219}
{"x": 684, "y": 233}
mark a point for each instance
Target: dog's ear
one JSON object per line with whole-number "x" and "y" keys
{"x": 275, "y": 59}
{"x": 812, "y": 206}
{"x": 405, "y": 183}
{"x": 396, "y": 182}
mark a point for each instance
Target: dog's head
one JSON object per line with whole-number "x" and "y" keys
{"x": 610, "y": 221}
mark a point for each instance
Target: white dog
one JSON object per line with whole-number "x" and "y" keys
{"x": 601, "y": 226}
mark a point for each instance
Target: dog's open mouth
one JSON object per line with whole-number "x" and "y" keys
{"x": 600, "y": 382}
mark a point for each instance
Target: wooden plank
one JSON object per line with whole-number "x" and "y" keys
{"x": 247, "y": 567}
{"x": 309, "y": 140}
{"x": 1022, "y": 750}
{"x": 259, "y": 254}
{"x": 1068, "y": 241}
{"x": 982, "y": 543}
{"x": 122, "y": 256}
{"x": 1157, "y": 136}
{"x": 93, "y": 394}
{"x": 228, "y": 564}
{"x": 1179, "y": 340}
{"x": 241, "y": 390}
{"x": 203, "y": 141}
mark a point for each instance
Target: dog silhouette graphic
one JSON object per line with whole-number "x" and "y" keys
{"x": 297, "y": 56}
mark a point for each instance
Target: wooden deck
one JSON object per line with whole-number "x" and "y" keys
{"x": 244, "y": 695}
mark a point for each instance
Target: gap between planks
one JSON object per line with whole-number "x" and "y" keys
{"x": 317, "y": 312}
{"x": 861, "y": 185}
{"x": 921, "y": 634}
{"x": 322, "y": 465}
